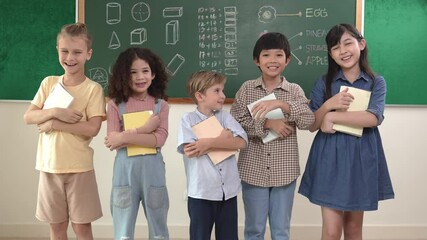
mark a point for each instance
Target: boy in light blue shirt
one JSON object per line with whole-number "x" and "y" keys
{"x": 212, "y": 189}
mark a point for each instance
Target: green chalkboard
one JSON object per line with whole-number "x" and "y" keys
{"x": 396, "y": 33}
{"x": 213, "y": 35}
{"x": 28, "y": 44}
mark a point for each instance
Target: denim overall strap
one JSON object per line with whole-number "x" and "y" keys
{"x": 122, "y": 110}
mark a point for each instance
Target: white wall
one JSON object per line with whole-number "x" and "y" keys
{"x": 404, "y": 138}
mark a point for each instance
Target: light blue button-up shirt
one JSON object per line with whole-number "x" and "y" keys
{"x": 204, "y": 179}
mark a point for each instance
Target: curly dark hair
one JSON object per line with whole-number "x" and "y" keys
{"x": 119, "y": 87}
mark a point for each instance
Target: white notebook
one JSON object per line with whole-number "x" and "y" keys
{"x": 59, "y": 97}
{"x": 273, "y": 114}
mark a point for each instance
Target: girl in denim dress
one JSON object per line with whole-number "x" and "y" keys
{"x": 345, "y": 174}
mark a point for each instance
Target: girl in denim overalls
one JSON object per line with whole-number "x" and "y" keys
{"x": 138, "y": 83}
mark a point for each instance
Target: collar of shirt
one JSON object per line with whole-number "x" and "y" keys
{"x": 285, "y": 85}
{"x": 362, "y": 76}
{"x": 201, "y": 115}
{"x": 145, "y": 99}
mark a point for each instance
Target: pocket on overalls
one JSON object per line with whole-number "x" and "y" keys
{"x": 156, "y": 197}
{"x": 122, "y": 196}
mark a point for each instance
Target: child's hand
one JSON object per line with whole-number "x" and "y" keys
{"x": 262, "y": 108}
{"x": 197, "y": 148}
{"x": 279, "y": 126}
{"x": 46, "y": 127}
{"x": 114, "y": 141}
{"x": 327, "y": 124}
{"x": 68, "y": 115}
{"x": 152, "y": 124}
{"x": 225, "y": 134}
{"x": 341, "y": 101}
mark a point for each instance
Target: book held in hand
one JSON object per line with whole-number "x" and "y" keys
{"x": 211, "y": 128}
{"x": 136, "y": 120}
{"x": 273, "y": 114}
{"x": 59, "y": 97}
{"x": 360, "y": 103}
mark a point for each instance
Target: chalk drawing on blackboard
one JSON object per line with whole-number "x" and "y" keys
{"x": 141, "y": 12}
{"x": 230, "y": 62}
{"x": 299, "y": 47}
{"x": 230, "y": 16}
{"x": 114, "y": 41}
{"x": 231, "y": 71}
{"x": 267, "y": 14}
{"x": 230, "y": 45}
{"x": 172, "y": 32}
{"x": 99, "y": 75}
{"x": 172, "y": 12}
{"x": 175, "y": 64}
{"x": 114, "y": 13}
{"x": 230, "y": 53}
{"x": 293, "y": 54}
{"x": 138, "y": 36}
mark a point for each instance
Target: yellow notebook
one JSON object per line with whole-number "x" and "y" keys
{"x": 136, "y": 120}
{"x": 360, "y": 103}
{"x": 211, "y": 128}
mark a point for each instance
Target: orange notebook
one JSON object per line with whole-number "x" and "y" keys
{"x": 211, "y": 128}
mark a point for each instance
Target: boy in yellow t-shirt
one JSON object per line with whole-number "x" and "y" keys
{"x": 64, "y": 158}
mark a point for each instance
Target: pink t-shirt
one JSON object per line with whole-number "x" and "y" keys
{"x": 137, "y": 105}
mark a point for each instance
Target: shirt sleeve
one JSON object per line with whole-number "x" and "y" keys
{"x": 113, "y": 117}
{"x": 317, "y": 97}
{"x": 96, "y": 104}
{"x": 42, "y": 93}
{"x": 161, "y": 132}
{"x": 185, "y": 133}
{"x": 377, "y": 100}
{"x": 232, "y": 125}
{"x": 240, "y": 112}
{"x": 300, "y": 113}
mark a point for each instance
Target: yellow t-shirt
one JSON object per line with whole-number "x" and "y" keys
{"x": 64, "y": 152}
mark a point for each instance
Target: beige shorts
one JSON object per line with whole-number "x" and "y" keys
{"x": 68, "y": 196}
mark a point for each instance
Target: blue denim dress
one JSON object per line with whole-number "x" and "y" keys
{"x": 345, "y": 172}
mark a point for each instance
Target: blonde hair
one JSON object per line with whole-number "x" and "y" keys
{"x": 76, "y": 30}
{"x": 201, "y": 81}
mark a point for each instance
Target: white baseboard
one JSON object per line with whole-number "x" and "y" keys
{"x": 299, "y": 232}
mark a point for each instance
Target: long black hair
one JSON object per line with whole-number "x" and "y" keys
{"x": 333, "y": 38}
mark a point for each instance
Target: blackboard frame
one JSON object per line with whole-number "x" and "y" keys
{"x": 358, "y": 21}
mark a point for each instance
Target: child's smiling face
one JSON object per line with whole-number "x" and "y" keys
{"x": 272, "y": 62}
